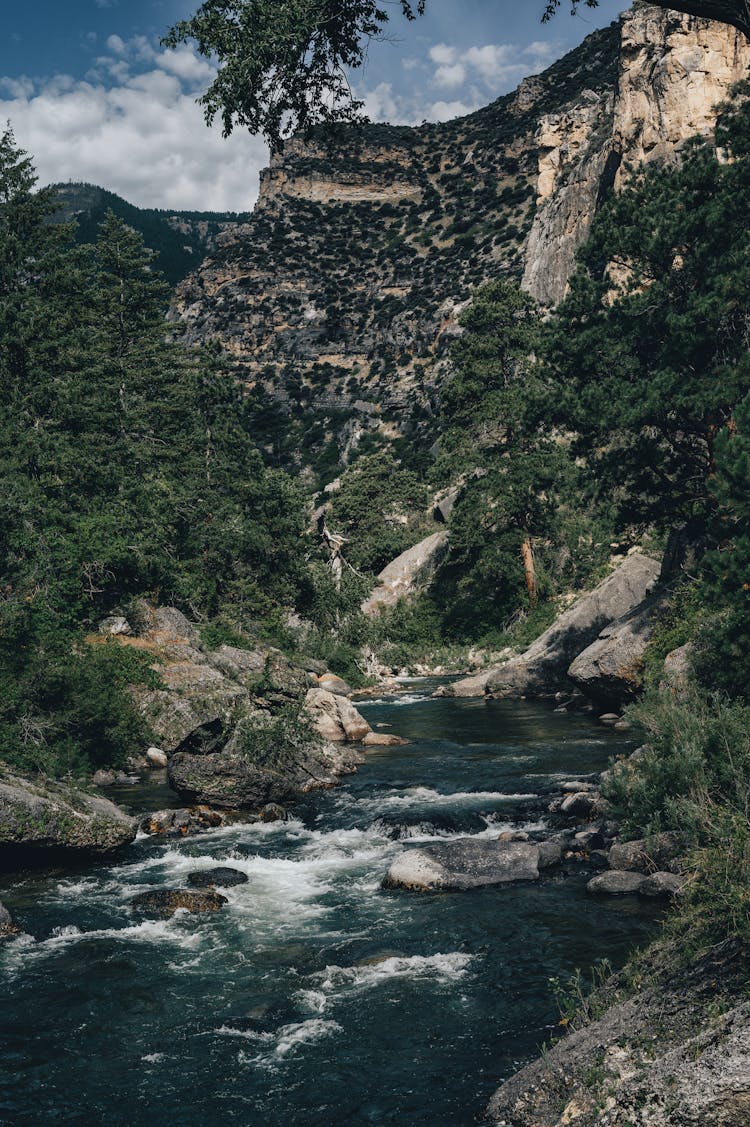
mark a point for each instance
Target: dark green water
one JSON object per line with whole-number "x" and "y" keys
{"x": 314, "y": 998}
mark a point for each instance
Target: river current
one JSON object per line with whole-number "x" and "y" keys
{"x": 314, "y": 997}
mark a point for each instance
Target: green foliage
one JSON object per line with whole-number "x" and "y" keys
{"x": 126, "y": 467}
{"x": 64, "y": 704}
{"x": 283, "y": 66}
{"x": 723, "y": 657}
{"x": 380, "y": 509}
{"x": 277, "y": 742}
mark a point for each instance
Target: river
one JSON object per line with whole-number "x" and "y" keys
{"x": 314, "y": 997}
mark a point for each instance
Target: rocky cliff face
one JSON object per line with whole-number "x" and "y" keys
{"x": 338, "y": 298}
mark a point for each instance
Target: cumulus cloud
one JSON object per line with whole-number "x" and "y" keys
{"x": 132, "y": 125}
{"x": 492, "y": 67}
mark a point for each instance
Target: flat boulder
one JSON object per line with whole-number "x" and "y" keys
{"x": 334, "y": 684}
{"x": 463, "y": 864}
{"x": 541, "y": 670}
{"x": 164, "y": 902}
{"x": 43, "y": 814}
{"x": 220, "y": 877}
{"x": 615, "y": 883}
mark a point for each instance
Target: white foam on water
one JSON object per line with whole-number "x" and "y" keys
{"x": 449, "y": 967}
{"x": 26, "y": 949}
{"x": 153, "y": 1058}
{"x": 285, "y": 1041}
{"x": 426, "y": 796}
{"x": 406, "y": 698}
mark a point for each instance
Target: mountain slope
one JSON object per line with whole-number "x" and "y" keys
{"x": 180, "y": 239}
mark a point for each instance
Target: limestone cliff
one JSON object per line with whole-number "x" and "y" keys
{"x": 338, "y": 297}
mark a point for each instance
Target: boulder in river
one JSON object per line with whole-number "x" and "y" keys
{"x": 41, "y": 813}
{"x": 164, "y": 902}
{"x": 220, "y": 877}
{"x": 334, "y": 717}
{"x": 615, "y": 883}
{"x": 7, "y": 925}
{"x": 196, "y": 819}
{"x": 464, "y": 863}
{"x": 541, "y": 670}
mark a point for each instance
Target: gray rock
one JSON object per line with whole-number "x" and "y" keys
{"x": 662, "y": 886}
{"x": 115, "y": 625}
{"x": 179, "y": 823}
{"x": 550, "y": 854}
{"x": 7, "y": 925}
{"x": 410, "y": 571}
{"x": 40, "y": 813}
{"x": 579, "y": 805}
{"x": 678, "y": 668}
{"x": 104, "y": 778}
{"x": 542, "y": 669}
{"x": 611, "y": 668}
{"x": 464, "y": 863}
{"x": 334, "y": 684}
{"x": 156, "y": 757}
{"x": 646, "y": 855}
{"x": 272, "y": 812}
{"x": 615, "y": 883}
{"x": 164, "y": 902}
{"x": 334, "y": 717}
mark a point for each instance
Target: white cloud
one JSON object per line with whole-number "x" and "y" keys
{"x": 135, "y": 131}
{"x": 494, "y": 67}
{"x": 453, "y": 75}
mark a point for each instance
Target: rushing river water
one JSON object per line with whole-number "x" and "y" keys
{"x": 313, "y": 998}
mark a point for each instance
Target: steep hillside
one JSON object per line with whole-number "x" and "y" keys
{"x": 180, "y": 239}
{"x": 339, "y": 296}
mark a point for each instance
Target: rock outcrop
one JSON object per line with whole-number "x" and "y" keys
{"x": 164, "y": 902}
{"x": 541, "y": 670}
{"x": 676, "y": 1053}
{"x": 334, "y": 717}
{"x": 41, "y": 814}
{"x": 408, "y": 573}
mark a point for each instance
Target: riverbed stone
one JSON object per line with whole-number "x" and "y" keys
{"x": 272, "y": 812}
{"x": 616, "y": 882}
{"x": 156, "y": 757}
{"x": 164, "y": 902}
{"x": 221, "y": 877}
{"x": 464, "y": 863}
{"x": 644, "y": 855}
{"x": 383, "y": 739}
{"x": 662, "y": 886}
{"x": 179, "y": 823}
{"x": 580, "y": 804}
{"x": 8, "y": 927}
{"x": 42, "y": 813}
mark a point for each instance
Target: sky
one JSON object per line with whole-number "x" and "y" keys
{"x": 92, "y": 95}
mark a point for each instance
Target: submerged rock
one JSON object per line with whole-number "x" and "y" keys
{"x": 462, "y": 864}
{"x": 220, "y": 877}
{"x": 164, "y": 902}
{"x": 40, "y": 813}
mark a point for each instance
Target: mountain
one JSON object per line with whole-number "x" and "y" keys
{"x": 181, "y": 239}
{"x": 338, "y": 297}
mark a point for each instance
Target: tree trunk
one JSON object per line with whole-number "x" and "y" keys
{"x": 530, "y": 570}
{"x": 734, "y": 12}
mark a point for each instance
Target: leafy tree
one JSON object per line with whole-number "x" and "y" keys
{"x": 649, "y": 353}
{"x": 283, "y": 63}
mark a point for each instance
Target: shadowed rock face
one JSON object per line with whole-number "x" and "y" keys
{"x": 463, "y": 864}
{"x": 542, "y": 669}
{"x": 42, "y": 814}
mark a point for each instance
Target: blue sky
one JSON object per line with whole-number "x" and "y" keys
{"x": 92, "y": 95}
